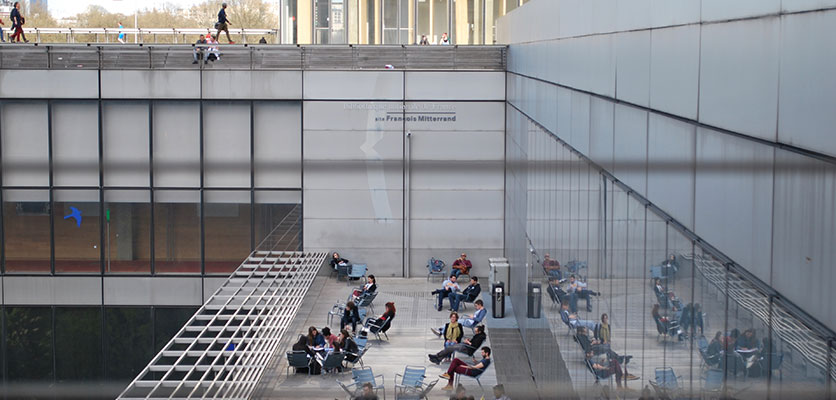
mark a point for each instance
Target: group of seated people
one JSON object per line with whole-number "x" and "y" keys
{"x": 451, "y": 290}
{"x": 575, "y": 289}
{"x": 751, "y": 351}
{"x": 318, "y": 344}
{"x": 454, "y": 341}
{"x": 206, "y": 53}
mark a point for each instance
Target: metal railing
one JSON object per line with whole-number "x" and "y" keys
{"x": 180, "y": 35}
{"x": 253, "y": 57}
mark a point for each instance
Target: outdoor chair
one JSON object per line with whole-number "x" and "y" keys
{"x": 419, "y": 393}
{"x": 666, "y": 384}
{"x": 337, "y": 310}
{"x": 411, "y": 381}
{"x": 671, "y": 330}
{"x": 436, "y": 267}
{"x": 361, "y": 341}
{"x": 713, "y": 381}
{"x": 376, "y": 329}
{"x": 342, "y": 270}
{"x": 468, "y": 299}
{"x": 358, "y": 358}
{"x": 357, "y": 271}
{"x": 364, "y": 375}
{"x": 777, "y": 360}
{"x": 712, "y": 361}
{"x": 298, "y": 359}
{"x": 458, "y": 377}
{"x": 332, "y": 362}
{"x": 366, "y": 301}
{"x": 609, "y": 377}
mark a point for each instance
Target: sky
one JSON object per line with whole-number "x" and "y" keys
{"x": 67, "y": 8}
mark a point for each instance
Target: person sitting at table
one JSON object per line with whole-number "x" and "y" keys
{"x": 350, "y": 316}
{"x": 448, "y": 287}
{"x": 315, "y": 339}
{"x": 552, "y": 267}
{"x": 747, "y": 346}
{"x": 462, "y": 265}
{"x": 336, "y": 261}
{"x": 330, "y": 338}
{"x": 374, "y": 324}
{"x": 302, "y": 345}
{"x": 348, "y": 345}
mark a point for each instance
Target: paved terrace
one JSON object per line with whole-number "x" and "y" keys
{"x": 410, "y": 340}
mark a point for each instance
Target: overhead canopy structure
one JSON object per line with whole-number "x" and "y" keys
{"x": 222, "y": 351}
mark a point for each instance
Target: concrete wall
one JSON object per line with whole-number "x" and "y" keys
{"x": 688, "y": 102}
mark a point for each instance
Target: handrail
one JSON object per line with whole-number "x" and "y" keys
{"x": 142, "y": 33}
{"x": 253, "y": 57}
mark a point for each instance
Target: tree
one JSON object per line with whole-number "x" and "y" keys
{"x": 242, "y": 14}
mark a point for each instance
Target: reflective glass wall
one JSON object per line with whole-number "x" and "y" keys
{"x": 145, "y": 187}
{"x": 676, "y": 312}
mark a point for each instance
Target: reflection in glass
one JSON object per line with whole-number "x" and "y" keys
{"x": 167, "y": 322}
{"x": 26, "y": 230}
{"x": 78, "y": 344}
{"x": 127, "y": 231}
{"x": 278, "y": 213}
{"x": 29, "y": 343}
{"x": 176, "y": 232}
{"x": 227, "y": 230}
{"x": 128, "y": 342}
{"x": 77, "y": 218}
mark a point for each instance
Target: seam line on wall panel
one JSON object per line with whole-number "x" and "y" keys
{"x": 782, "y": 146}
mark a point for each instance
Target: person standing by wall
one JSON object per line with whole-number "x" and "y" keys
{"x": 17, "y": 24}
{"x": 223, "y": 24}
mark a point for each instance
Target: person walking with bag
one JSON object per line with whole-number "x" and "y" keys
{"x": 17, "y": 24}
{"x": 223, "y": 24}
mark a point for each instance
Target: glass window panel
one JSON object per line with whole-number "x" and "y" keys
{"x": 128, "y": 342}
{"x": 424, "y": 20}
{"x": 176, "y": 232}
{"x": 25, "y": 148}
{"x": 125, "y": 137}
{"x": 78, "y": 344}
{"x": 439, "y": 20}
{"x": 127, "y": 231}
{"x": 77, "y": 219}
{"x": 75, "y": 143}
{"x": 278, "y": 144}
{"x": 29, "y": 344}
{"x": 26, "y": 230}
{"x": 176, "y": 144}
{"x": 226, "y": 144}
{"x": 167, "y": 322}
{"x": 227, "y": 230}
{"x": 279, "y": 215}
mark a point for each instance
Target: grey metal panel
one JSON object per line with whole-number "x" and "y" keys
{"x": 457, "y": 145}
{"x": 456, "y": 204}
{"x": 733, "y": 202}
{"x": 125, "y": 137}
{"x": 75, "y": 144}
{"x": 803, "y": 235}
{"x": 633, "y": 67}
{"x": 360, "y": 85}
{"x": 157, "y": 291}
{"x": 49, "y": 84}
{"x": 739, "y": 75}
{"x": 580, "y": 122}
{"x": 210, "y": 285}
{"x": 674, "y": 68}
{"x": 336, "y": 145}
{"x": 351, "y": 115}
{"x": 455, "y": 85}
{"x": 670, "y": 167}
{"x": 277, "y": 144}
{"x": 804, "y": 5}
{"x": 353, "y": 175}
{"x": 252, "y": 84}
{"x": 470, "y": 116}
{"x": 807, "y": 82}
{"x": 176, "y": 144}
{"x": 150, "y": 84}
{"x": 457, "y": 233}
{"x": 564, "y": 113}
{"x": 25, "y": 136}
{"x": 349, "y": 204}
{"x": 483, "y": 175}
{"x": 226, "y": 144}
{"x": 353, "y": 233}
{"x": 720, "y": 10}
{"x": 630, "y": 159}
{"x": 674, "y": 12}
{"x": 632, "y": 14}
{"x": 601, "y": 133}
{"x": 52, "y": 290}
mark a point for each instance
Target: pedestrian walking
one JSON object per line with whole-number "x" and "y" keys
{"x": 17, "y": 24}
{"x": 121, "y": 36}
{"x": 2, "y": 38}
{"x": 223, "y": 24}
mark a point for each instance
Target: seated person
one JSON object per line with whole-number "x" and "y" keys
{"x": 670, "y": 326}
{"x": 374, "y": 325}
{"x": 213, "y": 50}
{"x": 691, "y": 318}
{"x": 329, "y": 337}
{"x": 499, "y": 392}
{"x": 368, "y": 391}
{"x": 670, "y": 266}
{"x": 747, "y": 346}
{"x": 470, "y": 293}
{"x": 572, "y": 320}
{"x": 478, "y": 315}
{"x": 604, "y": 367}
{"x": 715, "y": 347}
{"x": 315, "y": 339}
{"x": 460, "y": 367}
{"x": 577, "y": 290}
{"x": 336, "y": 261}
{"x": 462, "y": 265}
{"x": 199, "y": 49}
{"x": 347, "y": 343}
{"x": 351, "y": 316}
{"x": 302, "y": 345}
{"x": 448, "y": 287}
{"x": 552, "y": 267}
{"x": 452, "y": 331}
{"x": 369, "y": 287}
{"x": 596, "y": 347}
{"x": 467, "y": 346}
{"x": 604, "y": 329}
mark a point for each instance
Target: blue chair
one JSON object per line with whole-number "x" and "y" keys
{"x": 411, "y": 381}
{"x": 298, "y": 359}
{"x": 436, "y": 267}
{"x": 713, "y": 381}
{"x": 331, "y": 362}
{"x": 365, "y": 375}
{"x": 357, "y": 271}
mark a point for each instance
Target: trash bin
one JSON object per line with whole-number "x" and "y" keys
{"x": 498, "y": 300}
{"x": 535, "y": 298}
